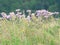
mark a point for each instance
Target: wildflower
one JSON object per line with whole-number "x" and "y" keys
{"x": 4, "y": 15}
{"x": 13, "y": 16}
{"x": 29, "y": 11}
{"x": 28, "y": 18}
{"x": 56, "y": 13}
{"x": 38, "y": 13}
{"x": 17, "y": 10}
{"x": 33, "y": 16}
{"x": 8, "y": 17}
{"x": 23, "y": 12}
{"x": 19, "y": 15}
{"x": 46, "y": 16}
{"x": 50, "y": 13}
{"x": 41, "y": 12}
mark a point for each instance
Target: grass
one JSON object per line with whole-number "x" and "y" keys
{"x": 36, "y": 32}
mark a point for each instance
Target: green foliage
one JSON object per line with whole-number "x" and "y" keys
{"x": 11, "y": 5}
{"x": 53, "y": 8}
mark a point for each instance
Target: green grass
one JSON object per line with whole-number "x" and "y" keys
{"x": 36, "y": 32}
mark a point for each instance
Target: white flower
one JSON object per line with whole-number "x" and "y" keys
{"x": 46, "y": 16}
{"x": 29, "y": 18}
{"x": 17, "y": 10}
{"x": 13, "y": 15}
{"x": 4, "y": 15}
{"x": 50, "y": 13}
{"x": 56, "y": 13}
{"x": 28, "y": 11}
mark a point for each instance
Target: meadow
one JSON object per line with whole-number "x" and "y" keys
{"x": 35, "y": 32}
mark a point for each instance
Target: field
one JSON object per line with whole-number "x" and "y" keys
{"x": 35, "y": 32}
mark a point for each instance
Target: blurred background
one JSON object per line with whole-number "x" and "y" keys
{"x": 11, "y": 5}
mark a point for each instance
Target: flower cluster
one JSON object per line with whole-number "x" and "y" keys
{"x": 19, "y": 14}
{"x": 45, "y": 13}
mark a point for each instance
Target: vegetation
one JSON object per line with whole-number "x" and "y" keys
{"x": 35, "y": 22}
{"x": 11, "y": 5}
{"x": 36, "y": 32}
